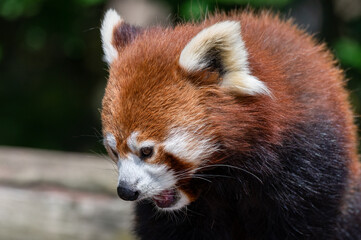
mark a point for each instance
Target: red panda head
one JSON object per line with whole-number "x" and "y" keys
{"x": 157, "y": 119}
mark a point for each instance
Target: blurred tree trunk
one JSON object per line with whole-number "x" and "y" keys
{"x": 142, "y": 12}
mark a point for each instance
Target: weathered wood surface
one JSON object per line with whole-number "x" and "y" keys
{"x": 53, "y": 195}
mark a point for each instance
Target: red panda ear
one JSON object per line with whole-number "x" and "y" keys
{"x": 220, "y": 47}
{"x": 116, "y": 34}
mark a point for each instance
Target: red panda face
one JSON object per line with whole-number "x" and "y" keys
{"x": 155, "y": 120}
{"x": 158, "y": 139}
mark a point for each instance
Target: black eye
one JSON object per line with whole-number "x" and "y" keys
{"x": 146, "y": 152}
{"x": 113, "y": 153}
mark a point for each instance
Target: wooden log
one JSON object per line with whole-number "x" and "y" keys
{"x": 54, "y": 195}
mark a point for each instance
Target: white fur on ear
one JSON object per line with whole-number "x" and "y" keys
{"x": 223, "y": 42}
{"x": 111, "y": 20}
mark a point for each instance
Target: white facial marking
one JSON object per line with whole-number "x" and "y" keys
{"x": 132, "y": 141}
{"x": 149, "y": 179}
{"x": 152, "y": 179}
{"x": 188, "y": 145}
{"x": 111, "y": 20}
{"x": 147, "y": 143}
{"x": 135, "y": 145}
{"x": 110, "y": 140}
{"x": 226, "y": 38}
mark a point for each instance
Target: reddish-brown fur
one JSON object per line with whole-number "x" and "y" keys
{"x": 156, "y": 80}
{"x": 149, "y": 91}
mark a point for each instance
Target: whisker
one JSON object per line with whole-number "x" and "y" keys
{"x": 189, "y": 173}
{"x": 234, "y": 167}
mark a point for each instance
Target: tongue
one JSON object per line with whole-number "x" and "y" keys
{"x": 166, "y": 198}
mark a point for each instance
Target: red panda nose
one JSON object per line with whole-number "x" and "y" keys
{"x": 127, "y": 193}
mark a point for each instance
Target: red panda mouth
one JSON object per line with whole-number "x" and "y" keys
{"x": 166, "y": 198}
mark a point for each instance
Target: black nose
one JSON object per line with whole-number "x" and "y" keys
{"x": 127, "y": 194}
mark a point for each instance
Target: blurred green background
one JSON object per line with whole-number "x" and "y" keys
{"x": 52, "y": 77}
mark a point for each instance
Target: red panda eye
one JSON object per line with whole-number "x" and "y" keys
{"x": 146, "y": 152}
{"x": 114, "y": 153}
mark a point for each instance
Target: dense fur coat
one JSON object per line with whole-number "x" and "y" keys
{"x": 235, "y": 128}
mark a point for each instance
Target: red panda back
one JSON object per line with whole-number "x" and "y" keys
{"x": 303, "y": 74}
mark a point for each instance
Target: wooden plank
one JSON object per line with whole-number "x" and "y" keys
{"x": 26, "y": 167}
{"x": 53, "y": 195}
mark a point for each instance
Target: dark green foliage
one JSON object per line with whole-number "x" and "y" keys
{"x": 51, "y": 73}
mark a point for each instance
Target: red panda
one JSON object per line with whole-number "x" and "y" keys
{"x": 238, "y": 127}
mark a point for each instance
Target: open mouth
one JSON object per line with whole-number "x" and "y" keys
{"x": 166, "y": 198}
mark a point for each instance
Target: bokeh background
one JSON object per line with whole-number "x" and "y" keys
{"x": 52, "y": 80}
